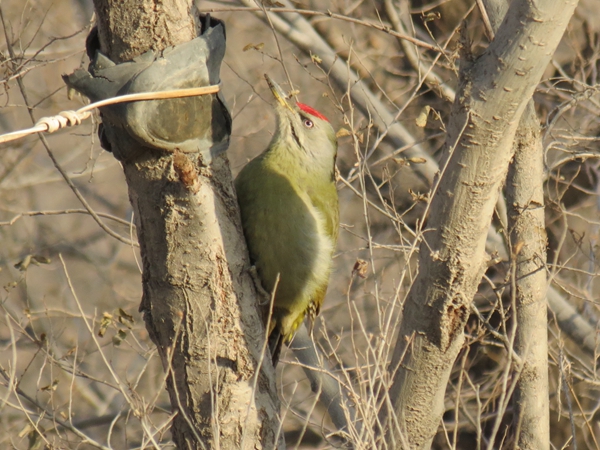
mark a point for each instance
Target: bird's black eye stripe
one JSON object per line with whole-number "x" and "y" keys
{"x": 295, "y": 135}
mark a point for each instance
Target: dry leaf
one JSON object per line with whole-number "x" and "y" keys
{"x": 315, "y": 59}
{"x": 125, "y": 318}
{"x": 119, "y": 337}
{"x": 105, "y": 323}
{"x": 360, "y": 268}
{"x": 430, "y": 16}
{"x": 417, "y": 196}
{"x": 517, "y": 248}
{"x": 342, "y": 132}
{"x": 256, "y": 47}
{"x": 50, "y": 387}
{"x": 421, "y": 119}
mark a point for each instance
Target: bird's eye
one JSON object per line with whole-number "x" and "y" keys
{"x": 308, "y": 123}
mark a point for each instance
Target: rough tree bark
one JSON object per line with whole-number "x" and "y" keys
{"x": 493, "y": 93}
{"x": 525, "y": 198}
{"x": 527, "y": 231}
{"x": 199, "y": 301}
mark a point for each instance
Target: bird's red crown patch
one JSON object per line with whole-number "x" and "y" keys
{"x": 313, "y": 112}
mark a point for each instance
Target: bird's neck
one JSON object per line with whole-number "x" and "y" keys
{"x": 299, "y": 163}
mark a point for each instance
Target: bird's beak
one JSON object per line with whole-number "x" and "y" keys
{"x": 278, "y": 93}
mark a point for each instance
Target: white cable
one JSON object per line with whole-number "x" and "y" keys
{"x": 72, "y": 118}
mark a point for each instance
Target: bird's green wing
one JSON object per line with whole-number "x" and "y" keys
{"x": 325, "y": 199}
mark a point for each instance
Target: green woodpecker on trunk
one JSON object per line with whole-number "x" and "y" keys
{"x": 290, "y": 215}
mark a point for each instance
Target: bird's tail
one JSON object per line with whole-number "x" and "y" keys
{"x": 275, "y": 342}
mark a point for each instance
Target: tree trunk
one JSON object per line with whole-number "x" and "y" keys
{"x": 493, "y": 94}
{"x": 525, "y": 198}
{"x": 527, "y": 230}
{"x": 199, "y": 301}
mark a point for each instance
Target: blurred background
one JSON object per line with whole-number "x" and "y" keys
{"x": 77, "y": 368}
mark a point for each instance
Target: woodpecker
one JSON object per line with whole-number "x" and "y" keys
{"x": 290, "y": 215}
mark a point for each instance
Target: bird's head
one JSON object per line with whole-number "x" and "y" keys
{"x": 302, "y": 129}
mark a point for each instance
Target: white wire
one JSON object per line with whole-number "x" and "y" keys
{"x": 72, "y": 118}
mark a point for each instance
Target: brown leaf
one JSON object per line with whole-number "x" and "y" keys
{"x": 119, "y": 337}
{"x": 360, "y": 268}
{"x": 125, "y": 318}
{"x": 105, "y": 323}
{"x": 251, "y": 46}
{"x": 342, "y": 132}
{"x": 417, "y": 196}
{"x": 421, "y": 120}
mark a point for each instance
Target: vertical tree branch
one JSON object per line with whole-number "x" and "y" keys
{"x": 526, "y": 224}
{"x": 525, "y": 198}
{"x": 478, "y": 149}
